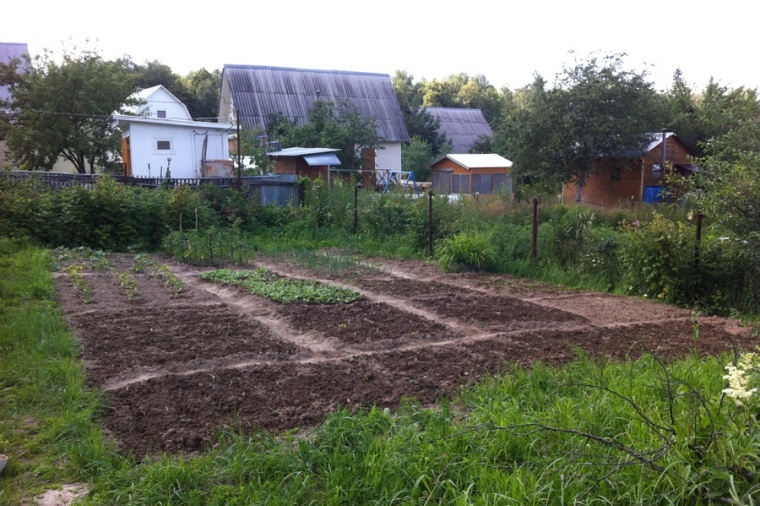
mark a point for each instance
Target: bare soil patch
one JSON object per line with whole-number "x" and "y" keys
{"x": 176, "y": 368}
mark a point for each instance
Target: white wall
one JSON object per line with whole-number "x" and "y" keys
{"x": 388, "y": 158}
{"x": 185, "y": 150}
{"x": 162, "y": 100}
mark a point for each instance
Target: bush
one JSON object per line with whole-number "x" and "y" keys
{"x": 464, "y": 252}
{"x": 657, "y": 260}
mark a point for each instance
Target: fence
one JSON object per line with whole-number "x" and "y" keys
{"x": 280, "y": 190}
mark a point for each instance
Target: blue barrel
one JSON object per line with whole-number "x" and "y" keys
{"x": 653, "y": 194}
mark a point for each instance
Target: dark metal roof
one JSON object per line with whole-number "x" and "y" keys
{"x": 463, "y": 127}
{"x": 258, "y": 92}
{"x": 9, "y": 51}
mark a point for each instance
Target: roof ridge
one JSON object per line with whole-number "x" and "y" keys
{"x": 294, "y": 69}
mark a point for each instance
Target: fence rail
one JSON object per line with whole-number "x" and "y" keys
{"x": 281, "y": 190}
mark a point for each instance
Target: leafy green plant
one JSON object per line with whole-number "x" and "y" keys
{"x": 285, "y": 290}
{"x": 657, "y": 260}
{"x": 214, "y": 246}
{"x": 169, "y": 278}
{"x": 141, "y": 263}
{"x": 128, "y": 282}
{"x": 465, "y": 252}
{"x": 80, "y": 284}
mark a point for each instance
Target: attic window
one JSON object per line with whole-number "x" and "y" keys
{"x": 163, "y": 145}
{"x": 161, "y": 114}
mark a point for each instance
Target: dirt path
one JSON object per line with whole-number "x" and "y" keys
{"x": 176, "y": 369}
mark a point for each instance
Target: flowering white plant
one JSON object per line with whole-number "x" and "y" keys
{"x": 739, "y": 377}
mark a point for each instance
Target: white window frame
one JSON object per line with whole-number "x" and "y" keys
{"x": 158, "y": 150}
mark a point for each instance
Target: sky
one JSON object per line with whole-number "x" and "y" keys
{"x": 506, "y": 41}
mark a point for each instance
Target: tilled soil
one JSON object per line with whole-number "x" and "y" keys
{"x": 176, "y": 368}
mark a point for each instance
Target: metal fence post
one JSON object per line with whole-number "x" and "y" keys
{"x": 534, "y": 240}
{"x": 430, "y": 223}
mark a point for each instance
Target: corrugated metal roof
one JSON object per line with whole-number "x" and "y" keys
{"x": 258, "y": 92}
{"x": 119, "y": 120}
{"x": 323, "y": 159}
{"x": 9, "y": 51}
{"x": 479, "y": 161}
{"x": 296, "y": 151}
{"x": 463, "y": 127}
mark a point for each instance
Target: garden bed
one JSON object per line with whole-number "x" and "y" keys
{"x": 179, "y": 358}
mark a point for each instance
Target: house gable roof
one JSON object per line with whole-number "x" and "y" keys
{"x": 258, "y": 92}
{"x": 655, "y": 139}
{"x": 462, "y": 127}
{"x": 156, "y": 97}
{"x": 8, "y": 52}
{"x": 478, "y": 161}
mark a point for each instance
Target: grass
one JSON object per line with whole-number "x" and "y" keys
{"x": 47, "y": 411}
{"x": 593, "y": 432}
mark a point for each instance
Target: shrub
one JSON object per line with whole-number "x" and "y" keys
{"x": 657, "y": 259}
{"x": 466, "y": 252}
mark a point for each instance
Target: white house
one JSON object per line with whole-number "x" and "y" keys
{"x": 255, "y": 93}
{"x": 162, "y": 140}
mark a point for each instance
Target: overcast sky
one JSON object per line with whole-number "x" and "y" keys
{"x": 506, "y": 41}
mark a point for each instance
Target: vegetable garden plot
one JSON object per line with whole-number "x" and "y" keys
{"x": 176, "y": 368}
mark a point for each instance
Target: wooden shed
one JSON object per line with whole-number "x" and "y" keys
{"x": 640, "y": 177}
{"x": 471, "y": 174}
{"x": 309, "y": 162}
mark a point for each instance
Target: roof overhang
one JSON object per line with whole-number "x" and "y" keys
{"x": 302, "y": 151}
{"x": 119, "y": 120}
{"x": 322, "y": 159}
{"x": 477, "y": 161}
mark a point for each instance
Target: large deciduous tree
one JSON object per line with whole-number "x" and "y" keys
{"x": 419, "y": 122}
{"x": 61, "y": 109}
{"x": 463, "y": 90}
{"x": 596, "y": 109}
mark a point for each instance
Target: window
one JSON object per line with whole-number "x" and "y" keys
{"x": 460, "y": 183}
{"x": 615, "y": 175}
{"x": 442, "y": 183}
{"x": 161, "y": 114}
{"x": 163, "y": 145}
{"x": 502, "y": 183}
{"x": 482, "y": 183}
{"x": 657, "y": 170}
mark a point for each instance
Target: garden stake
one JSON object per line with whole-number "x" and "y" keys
{"x": 430, "y": 223}
{"x": 356, "y": 206}
{"x": 698, "y": 239}
{"x": 535, "y": 231}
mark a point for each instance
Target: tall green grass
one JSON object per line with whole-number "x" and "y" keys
{"x": 47, "y": 419}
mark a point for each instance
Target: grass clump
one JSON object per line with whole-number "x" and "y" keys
{"x": 284, "y": 290}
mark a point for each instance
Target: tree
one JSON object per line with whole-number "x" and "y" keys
{"x": 61, "y": 109}
{"x": 331, "y": 125}
{"x": 461, "y": 90}
{"x": 596, "y": 109}
{"x": 419, "y": 122}
{"x": 203, "y": 88}
{"x": 417, "y": 157}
